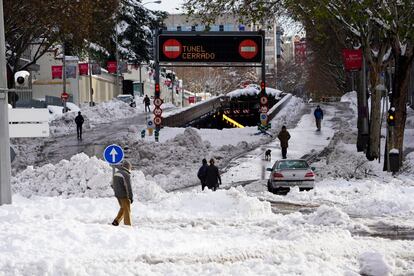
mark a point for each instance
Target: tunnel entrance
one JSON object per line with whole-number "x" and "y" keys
{"x": 237, "y": 111}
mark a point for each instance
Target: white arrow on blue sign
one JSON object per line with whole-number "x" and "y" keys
{"x": 263, "y": 116}
{"x": 113, "y": 154}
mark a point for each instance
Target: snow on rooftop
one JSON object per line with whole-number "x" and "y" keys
{"x": 252, "y": 90}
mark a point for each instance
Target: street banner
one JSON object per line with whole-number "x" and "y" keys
{"x": 300, "y": 51}
{"x": 57, "y": 72}
{"x": 83, "y": 69}
{"x": 71, "y": 71}
{"x": 96, "y": 69}
{"x": 352, "y": 59}
{"x": 111, "y": 67}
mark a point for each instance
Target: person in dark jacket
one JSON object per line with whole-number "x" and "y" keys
{"x": 284, "y": 137}
{"x": 318, "y": 113}
{"x": 123, "y": 193}
{"x": 79, "y": 122}
{"x": 202, "y": 174}
{"x": 147, "y": 103}
{"x": 213, "y": 179}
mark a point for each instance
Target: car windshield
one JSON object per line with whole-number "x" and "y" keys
{"x": 293, "y": 164}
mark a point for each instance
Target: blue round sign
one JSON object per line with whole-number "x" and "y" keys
{"x": 113, "y": 154}
{"x": 263, "y": 116}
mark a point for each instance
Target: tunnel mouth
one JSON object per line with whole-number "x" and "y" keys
{"x": 235, "y": 112}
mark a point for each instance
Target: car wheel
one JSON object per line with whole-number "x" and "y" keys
{"x": 269, "y": 187}
{"x": 133, "y": 104}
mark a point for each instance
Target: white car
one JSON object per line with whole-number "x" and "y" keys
{"x": 287, "y": 173}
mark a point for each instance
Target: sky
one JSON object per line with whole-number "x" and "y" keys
{"x": 166, "y": 5}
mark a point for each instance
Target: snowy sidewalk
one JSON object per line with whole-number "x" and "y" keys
{"x": 304, "y": 139}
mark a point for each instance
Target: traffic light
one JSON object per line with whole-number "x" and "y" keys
{"x": 391, "y": 117}
{"x": 262, "y": 85}
{"x": 157, "y": 90}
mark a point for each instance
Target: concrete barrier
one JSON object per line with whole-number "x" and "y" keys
{"x": 277, "y": 107}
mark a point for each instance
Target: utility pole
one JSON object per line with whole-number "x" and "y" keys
{"x": 90, "y": 81}
{"x": 64, "y": 74}
{"x": 5, "y": 166}
{"x": 117, "y": 61}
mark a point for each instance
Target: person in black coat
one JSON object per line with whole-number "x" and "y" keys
{"x": 147, "y": 103}
{"x": 213, "y": 179}
{"x": 202, "y": 174}
{"x": 79, "y": 122}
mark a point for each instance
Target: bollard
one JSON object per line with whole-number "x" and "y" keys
{"x": 394, "y": 161}
{"x": 157, "y": 135}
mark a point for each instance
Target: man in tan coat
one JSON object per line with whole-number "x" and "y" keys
{"x": 284, "y": 137}
{"x": 123, "y": 193}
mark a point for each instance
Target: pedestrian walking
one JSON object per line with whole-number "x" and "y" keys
{"x": 202, "y": 174}
{"x": 284, "y": 137}
{"x": 123, "y": 193}
{"x": 318, "y": 113}
{"x": 268, "y": 155}
{"x": 147, "y": 103}
{"x": 79, "y": 122}
{"x": 213, "y": 179}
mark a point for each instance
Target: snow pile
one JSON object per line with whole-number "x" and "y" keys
{"x": 174, "y": 163}
{"x": 326, "y": 215}
{"x": 105, "y": 112}
{"x": 351, "y": 97}
{"x": 253, "y": 90}
{"x": 81, "y": 176}
{"x": 363, "y": 198}
{"x": 373, "y": 264}
{"x": 233, "y": 203}
{"x": 345, "y": 162}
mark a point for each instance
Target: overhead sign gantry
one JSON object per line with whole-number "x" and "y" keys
{"x": 208, "y": 49}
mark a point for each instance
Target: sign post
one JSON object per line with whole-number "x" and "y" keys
{"x": 64, "y": 97}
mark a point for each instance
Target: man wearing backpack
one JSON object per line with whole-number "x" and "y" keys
{"x": 202, "y": 174}
{"x": 123, "y": 192}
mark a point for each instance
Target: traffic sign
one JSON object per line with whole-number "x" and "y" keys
{"x": 172, "y": 48}
{"x": 157, "y": 120}
{"x": 248, "y": 49}
{"x": 150, "y": 124}
{"x": 264, "y": 109}
{"x": 263, "y": 100}
{"x": 158, "y": 102}
{"x": 113, "y": 154}
{"x": 209, "y": 47}
{"x": 263, "y": 117}
{"x": 157, "y": 111}
{"x": 64, "y": 96}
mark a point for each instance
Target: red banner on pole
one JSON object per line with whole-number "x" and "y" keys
{"x": 300, "y": 51}
{"x": 352, "y": 59}
{"x": 83, "y": 69}
{"x": 111, "y": 67}
{"x": 57, "y": 72}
